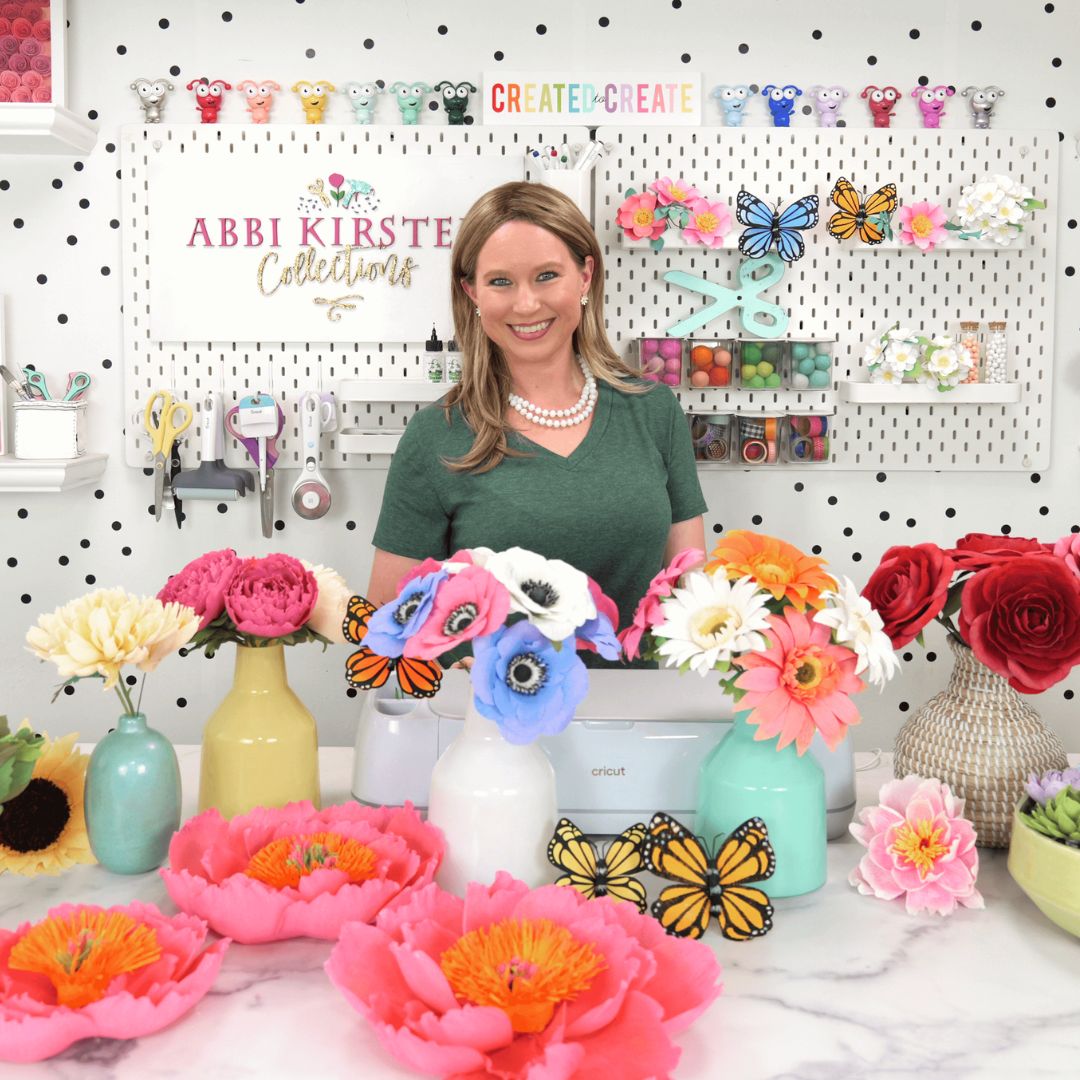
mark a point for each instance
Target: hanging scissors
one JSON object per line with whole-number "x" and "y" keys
{"x": 174, "y": 418}
{"x": 262, "y": 449}
{"x": 78, "y": 384}
{"x": 37, "y": 384}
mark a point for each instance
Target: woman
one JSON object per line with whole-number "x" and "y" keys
{"x": 549, "y": 442}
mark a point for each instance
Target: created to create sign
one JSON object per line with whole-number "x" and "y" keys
{"x": 281, "y": 249}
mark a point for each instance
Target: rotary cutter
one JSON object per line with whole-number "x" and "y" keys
{"x": 310, "y": 494}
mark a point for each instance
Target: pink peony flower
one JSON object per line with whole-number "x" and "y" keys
{"x": 649, "y": 612}
{"x": 202, "y": 583}
{"x": 670, "y": 191}
{"x": 141, "y": 971}
{"x": 270, "y": 597}
{"x": 298, "y": 872}
{"x": 10, "y": 80}
{"x": 637, "y": 218}
{"x": 800, "y": 684}
{"x": 709, "y": 223}
{"x": 919, "y": 846}
{"x": 1068, "y": 548}
{"x": 517, "y": 983}
{"x": 922, "y": 224}
{"x": 5, "y": 93}
{"x": 466, "y": 605}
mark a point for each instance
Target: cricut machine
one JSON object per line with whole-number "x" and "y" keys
{"x": 634, "y": 747}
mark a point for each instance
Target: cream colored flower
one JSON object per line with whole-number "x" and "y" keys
{"x": 101, "y": 632}
{"x": 332, "y": 604}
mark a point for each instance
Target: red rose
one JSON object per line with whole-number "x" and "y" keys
{"x": 909, "y": 588}
{"x": 1022, "y": 620}
{"x": 976, "y": 551}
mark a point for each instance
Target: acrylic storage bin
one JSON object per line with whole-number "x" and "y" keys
{"x": 810, "y": 365}
{"x": 711, "y": 362}
{"x": 758, "y": 441}
{"x": 807, "y": 440}
{"x": 711, "y": 436}
{"x": 660, "y": 359}
{"x": 761, "y": 364}
{"x": 49, "y": 430}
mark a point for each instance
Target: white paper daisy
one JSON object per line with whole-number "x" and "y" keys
{"x": 857, "y": 625}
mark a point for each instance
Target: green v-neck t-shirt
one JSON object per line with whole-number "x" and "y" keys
{"x": 607, "y": 508}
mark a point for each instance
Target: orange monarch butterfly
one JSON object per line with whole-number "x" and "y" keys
{"x": 717, "y": 885}
{"x": 591, "y": 874}
{"x": 368, "y": 670}
{"x": 854, "y": 215}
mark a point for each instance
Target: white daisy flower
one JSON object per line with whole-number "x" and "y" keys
{"x": 987, "y": 194}
{"x": 967, "y": 209}
{"x": 887, "y": 375}
{"x": 902, "y": 355}
{"x": 872, "y": 353}
{"x": 926, "y": 378}
{"x": 857, "y": 625}
{"x": 711, "y": 619}
{"x": 1001, "y": 234}
{"x": 553, "y": 594}
{"x": 1011, "y": 211}
{"x": 943, "y": 362}
{"x": 901, "y": 333}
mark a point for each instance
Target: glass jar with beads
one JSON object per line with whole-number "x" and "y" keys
{"x": 996, "y": 367}
{"x": 968, "y": 340}
{"x": 761, "y": 364}
{"x": 810, "y": 365}
{"x": 660, "y": 359}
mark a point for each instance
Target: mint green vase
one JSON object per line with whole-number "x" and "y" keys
{"x": 132, "y": 797}
{"x": 742, "y": 779}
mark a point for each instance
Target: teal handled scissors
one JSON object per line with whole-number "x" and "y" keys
{"x": 78, "y": 384}
{"x": 36, "y": 383}
{"x": 758, "y": 316}
{"x": 174, "y": 418}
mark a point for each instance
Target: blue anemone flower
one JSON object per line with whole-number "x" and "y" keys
{"x": 394, "y": 623}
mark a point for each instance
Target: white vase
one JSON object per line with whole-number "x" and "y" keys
{"x": 495, "y": 803}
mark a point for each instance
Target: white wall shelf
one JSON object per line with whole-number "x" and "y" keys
{"x": 53, "y": 476}
{"x": 865, "y": 393}
{"x": 44, "y": 129}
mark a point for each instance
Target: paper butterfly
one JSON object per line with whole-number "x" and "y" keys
{"x": 766, "y": 226}
{"x": 368, "y": 670}
{"x": 864, "y": 217}
{"x": 710, "y": 885}
{"x": 600, "y": 875}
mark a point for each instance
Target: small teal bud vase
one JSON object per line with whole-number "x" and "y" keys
{"x": 132, "y": 797}
{"x": 742, "y": 778}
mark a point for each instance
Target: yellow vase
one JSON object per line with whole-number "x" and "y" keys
{"x": 260, "y": 747}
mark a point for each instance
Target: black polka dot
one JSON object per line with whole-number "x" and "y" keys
{"x": 72, "y": 241}
{"x": 756, "y": 519}
{"x": 1035, "y": 477}
{"x": 856, "y": 556}
{"x": 903, "y": 706}
{"x": 222, "y": 508}
{"x": 84, "y": 204}
{"x": 309, "y": 53}
{"x": 18, "y": 222}
{"x": 816, "y": 35}
{"x": 350, "y": 525}
{"x": 832, "y": 500}
{"x": 23, "y": 513}
{"x": 93, "y": 115}
{"x": 1051, "y": 102}
{"x": 163, "y": 23}
{"x": 1048, "y": 8}
{"x": 816, "y": 549}
{"x": 12, "y": 561}
{"x": 226, "y": 16}
{"x": 105, "y": 271}
{"x": 116, "y": 526}
{"x": 913, "y": 34}
{"x": 880, "y": 478}
{"x": 1070, "y": 270}
{"x": 676, "y": 4}
{"x": 923, "y": 80}
{"x": 871, "y": 60}
{"x": 931, "y": 657}
{"x": 908, "y": 657}
{"x": 84, "y": 543}
{"x": 110, "y": 148}
{"x": 1068, "y": 695}
{"x": 976, "y": 25}
{"x": 99, "y": 494}
{"x": 1056, "y": 62}
{"x": 799, "y": 485}
{"x": 61, "y": 318}
{"x": 90, "y": 579}
{"x": 433, "y": 106}
{"x": 279, "y": 525}
{"x": 498, "y": 54}
{"x": 121, "y": 49}
{"x": 106, "y": 363}
{"x": 1044, "y": 510}
{"x": 114, "y": 223}
{"x": 58, "y": 183}
{"x": 69, "y": 690}
{"x": 884, "y": 515}
{"x": 910, "y": 523}
{"x": 26, "y": 598}
{"x": 181, "y": 702}
{"x": 744, "y": 48}
{"x": 848, "y": 531}
{"x": 4, "y": 185}
{"x": 541, "y": 28}
{"x": 604, "y": 21}
{"x": 131, "y": 680}
{"x": 950, "y": 512}
{"x": 368, "y": 43}
{"x": 174, "y": 70}
{"x": 351, "y": 692}
{"x": 41, "y": 279}
{"x": 63, "y": 560}
{"x": 125, "y": 550}
{"x": 806, "y": 110}
{"x": 442, "y": 30}
{"x": 1006, "y": 529}
{"x": 685, "y": 58}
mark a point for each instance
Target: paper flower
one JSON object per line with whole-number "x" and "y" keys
{"x": 670, "y": 191}
{"x": 637, "y": 218}
{"x": 392, "y": 625}
{"x": 1043, "y": 788}
{"x": 1068, "y": 549}
{"x": 908, "y": 589}
{"x": 902, "y": 355}
{"x": 270, "y": 597}
{"x": 919, "y": 846}
{"x": 90, "y": 972}
{"x": 511, "y": 982}
{"x": 298, "y": 872}
{"x": 466, "y": 605}
{"x": 800, "y": 684}
{"x": 857, "y": 625}
{"x": 709, "y": 223}
{"x": 977, "y": 551}
{"x": 43, "y": 830}
{"x": 202, "y": 583}
{"x": 647, "y": 613}
{"x": 19, "y": 750}
{"x": 458, "y": 561}
{"x": 331, "y": 603}
{"x": 552, "y": 593}
{"x": 709, "y": 620}
{"x": 598, "y": 634}
{"x": 923, "y": 225}
{"x": 527, "y": 686}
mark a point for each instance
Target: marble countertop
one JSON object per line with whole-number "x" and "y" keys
{"x": 843, "y": 986}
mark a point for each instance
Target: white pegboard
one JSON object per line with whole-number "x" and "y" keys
{"x": 850, "y": 290}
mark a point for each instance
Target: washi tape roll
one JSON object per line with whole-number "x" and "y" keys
{"x": 717, "y": 450}
{"x": 810, "y": 425}
{"x": 754, "y": 451}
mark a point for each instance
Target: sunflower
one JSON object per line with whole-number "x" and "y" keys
{"x": 43, "y": 830}
{"x": 777, "y": 566}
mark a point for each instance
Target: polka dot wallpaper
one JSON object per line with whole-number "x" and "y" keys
{"x": 60, "y": 272}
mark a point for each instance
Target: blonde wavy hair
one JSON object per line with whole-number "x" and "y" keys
{"x": 485, "y": 378}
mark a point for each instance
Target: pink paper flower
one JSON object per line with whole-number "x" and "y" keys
{"x": 5, "y": 93}
{"x": 637, "y": 218}
{"x": 10, "y": 80}
{"x": 709, "y": 223}
{"x": 22, "y": 28}
{"x": 1068, "y": 548}
{"x": 21, "y": 95}
{"x": 605, "y": 607}
{"x": 431, "y": 566}
{"x": 919, "y": 846}
{"x": 466, "y": 605}
{"x": 670, "y": 191}
{"x": 18, "y": 63}
{"x": 202, "y": 583}
{"x": 298, "y": 872}
{"x": 922, "y": 224}
{"x": 516, "y": 983}
{"x": 270, "y": 597}
{"x": 800, "y": 684}
{"x": 42, "y": 93}
{"x": 649, "y": 612}
{"x": 140, "y": 971}
{"x": 43, "y": 29}
{"x": 42, "y": 65}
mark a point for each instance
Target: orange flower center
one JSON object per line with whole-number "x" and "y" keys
{"x": 706, "y": 222}
{"x": 283, "y": 862}
{"x": 921, "y": 226}
{"x": 809, "y": 673}
{"x": 82, "y": 953}
{"x": 643, "y": 216}
{"x": 921, "y": 845}
{"x": 523, "y": 966}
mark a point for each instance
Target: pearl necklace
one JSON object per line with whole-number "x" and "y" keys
{"x": 559, "y": 418}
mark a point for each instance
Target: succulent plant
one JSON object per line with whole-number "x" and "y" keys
{"x": 18, "y": 752}
{"x": 1059, "y": 818}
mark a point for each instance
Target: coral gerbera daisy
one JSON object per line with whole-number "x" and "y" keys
{"x": 775, "y": 565}
{"x": 800, "y": 684}
{"x": 43, "y": 830}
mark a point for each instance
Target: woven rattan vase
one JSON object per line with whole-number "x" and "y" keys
{"x": 981, "y": 738}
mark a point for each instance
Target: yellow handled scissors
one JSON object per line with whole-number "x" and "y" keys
{"x": 174, "y": 418}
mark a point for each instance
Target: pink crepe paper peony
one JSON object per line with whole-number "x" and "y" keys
{"x": 466, "y": 605}
{"x": 202, "y": 583}
{"x": 33, "y": 1026}
{"x": 800, "y": 684}
{"x": 670, "y": 191}
{"x": 42, "y": 93}
{"x": 919, "y": 846}
{"x": 922, "y": 224}
{"x": 270, "y": 597}
{"x": 208, "y": 858}
{"x": 617, "y": 1022}
{"x": 637, "y": 218}
{"x": 9, "y": 44}
{"x": 649, "y": 612}
{"x": 709, "y": 223}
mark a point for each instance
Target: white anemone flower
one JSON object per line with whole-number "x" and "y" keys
{"x": 553, "y": 594}
{"x": 710, "y": 620}
{"x": 857, "y": 625}
{"x": 902, "y": 355}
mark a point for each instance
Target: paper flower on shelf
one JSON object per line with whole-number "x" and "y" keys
{"x": 673, "y": 204}
{"x": 637, "y": 217}
{"x": 919, "y": 847}
{"x": 515, "y": 982}
{"x": 90, "y": 972}
{"x": 269, "y": 875}
{"x": 897, "y": 356}
{"x": 708, "y": 224}
{"x": 922, "y": 225}
{"x": 993, "y": 208}
{"x": 670, "y": 191}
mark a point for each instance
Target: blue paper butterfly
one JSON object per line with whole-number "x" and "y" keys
{"x": 766, "y": 226}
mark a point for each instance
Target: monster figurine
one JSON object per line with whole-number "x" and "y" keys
{"x": 732, "y": 101}
{"x": 781, "y": 102}
{"x": 152, "y": 93}
{"x": 410, "y": 100}
{"x": 455, "y": 99}
{"x": 827, "y": 101}
{"x": 931, "y": 102}
{"x": 982, "y": 103}
{"x": 363, "y": 97}
{"x": 882, "y": 101}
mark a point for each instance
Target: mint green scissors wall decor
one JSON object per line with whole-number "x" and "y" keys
{"x": 758, "y": 317}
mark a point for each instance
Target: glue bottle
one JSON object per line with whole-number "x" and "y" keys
{"x": 434, "y": 349}
{"x": 453, "y": 362}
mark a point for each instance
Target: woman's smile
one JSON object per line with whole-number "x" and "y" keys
{"x": 532, "y": 331}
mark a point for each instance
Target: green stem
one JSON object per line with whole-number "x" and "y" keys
{"x": 124, "y": 695}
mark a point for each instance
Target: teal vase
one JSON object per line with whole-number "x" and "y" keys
{"x": 742, "y": 779}
{"x": 132, "y": 797}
